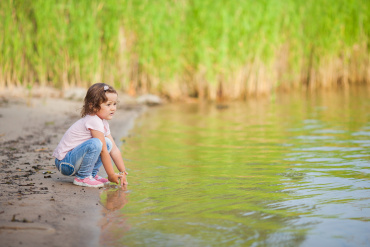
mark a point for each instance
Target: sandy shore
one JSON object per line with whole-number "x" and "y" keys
{"x": 39, "y": 206}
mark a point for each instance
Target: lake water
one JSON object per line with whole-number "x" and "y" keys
{"x": 289, "y": 171}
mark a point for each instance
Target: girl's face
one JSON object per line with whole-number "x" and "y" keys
{"x": 107, "y": 109}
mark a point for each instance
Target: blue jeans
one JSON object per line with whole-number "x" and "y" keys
{"x": 84, "y": 160}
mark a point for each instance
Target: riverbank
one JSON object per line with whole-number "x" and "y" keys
{"x": 38, "y": 205}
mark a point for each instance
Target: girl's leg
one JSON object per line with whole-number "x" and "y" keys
{"x": 99, "y": 163}
{"x": 82, "y": 159}
{"x": 91, "y": 154}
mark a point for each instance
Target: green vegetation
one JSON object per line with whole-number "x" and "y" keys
{"x": 196, "y": 48}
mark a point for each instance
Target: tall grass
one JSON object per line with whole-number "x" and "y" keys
{"x": 178, "y": 48}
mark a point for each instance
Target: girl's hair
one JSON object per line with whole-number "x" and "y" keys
{"x": 95, "y": 96}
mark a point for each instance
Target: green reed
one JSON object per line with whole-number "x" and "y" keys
{"x": 197, "y": 48}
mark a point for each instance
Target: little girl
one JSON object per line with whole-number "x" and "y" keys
{"x": 88, "y": 143}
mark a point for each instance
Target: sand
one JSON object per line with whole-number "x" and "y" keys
{"x": 38, "y": 205}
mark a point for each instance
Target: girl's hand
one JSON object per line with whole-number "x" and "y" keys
{"x": 118, "y": 179}
{"x": 115, "y": 178}
{"x": 123, "y": 179}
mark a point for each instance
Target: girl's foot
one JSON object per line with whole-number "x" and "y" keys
{"x": 88, "y": 182}
{"x": 101, "y": 179}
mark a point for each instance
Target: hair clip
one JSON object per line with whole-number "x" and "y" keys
{"x": 106, "y": 88}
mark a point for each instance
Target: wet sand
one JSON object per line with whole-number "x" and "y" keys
{"x": 38, "y": 205}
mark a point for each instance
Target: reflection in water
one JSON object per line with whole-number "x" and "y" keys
{"x": 113, "y": 198}
{"x": 112, "y": 224}
{"x": 294, "y": 172}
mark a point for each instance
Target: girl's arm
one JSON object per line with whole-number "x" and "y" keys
{"x": 105, "y": 158}
{"x": 116, "y": 155}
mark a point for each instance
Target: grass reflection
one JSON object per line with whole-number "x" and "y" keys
{"x": 251, "y": 175}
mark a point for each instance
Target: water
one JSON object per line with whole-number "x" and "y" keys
{"x": 289, "y": 172}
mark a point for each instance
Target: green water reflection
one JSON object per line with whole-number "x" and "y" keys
{"x": 292, "y": 172}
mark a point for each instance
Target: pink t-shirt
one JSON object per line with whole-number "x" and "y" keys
{"x": 80, "y": 132}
